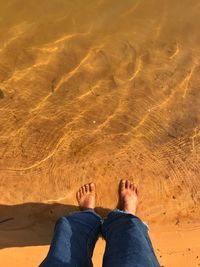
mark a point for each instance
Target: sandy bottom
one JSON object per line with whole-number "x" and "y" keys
{"x": 99, "y": 91}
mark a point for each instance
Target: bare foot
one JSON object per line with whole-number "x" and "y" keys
{"x": 128, "y": 196}
{"x": 86, "y": 196}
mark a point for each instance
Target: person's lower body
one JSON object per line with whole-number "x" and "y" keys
{"x": 127, "y": 241}
{"x": 74, "y": 240}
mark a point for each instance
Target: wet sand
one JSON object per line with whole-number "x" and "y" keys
{"x": 99, "y": 91}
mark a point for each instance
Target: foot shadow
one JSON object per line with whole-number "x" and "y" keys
{"x": 32, "y": 224}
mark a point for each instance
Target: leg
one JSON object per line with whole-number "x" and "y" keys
{"x": 127, "y": 240}
{"x": 75, "y": 235}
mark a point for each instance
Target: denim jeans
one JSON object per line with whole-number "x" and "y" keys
{"x": 127, "y": 241}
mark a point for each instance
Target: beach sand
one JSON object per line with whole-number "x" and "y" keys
{"x": 99, "y": 91}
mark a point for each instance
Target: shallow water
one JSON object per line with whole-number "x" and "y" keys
{"x": 100, "y": 90}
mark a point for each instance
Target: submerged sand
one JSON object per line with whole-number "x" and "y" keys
{"x": 99, "y": 91}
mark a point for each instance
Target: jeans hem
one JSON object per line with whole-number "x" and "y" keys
{"x": 128, "y": 213}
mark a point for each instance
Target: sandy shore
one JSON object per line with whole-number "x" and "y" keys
{"x": 99, "y": 91}
{"x": 24, "y": 242}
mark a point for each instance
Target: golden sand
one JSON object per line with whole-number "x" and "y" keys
{"x": 99, "y": 91}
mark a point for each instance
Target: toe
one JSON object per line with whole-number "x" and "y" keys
{"x": 92, "y": 187}
{"x": 128, "y": 184}
{"x": 78, "y": 195}
{"x": 80, "y": 192}
{"x": 123, "y": 184}
{"x": 83, "y": 189}
{"x": 132, "y": 186}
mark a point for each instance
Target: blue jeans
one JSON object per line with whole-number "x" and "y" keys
{"x": 127, "y": 241}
